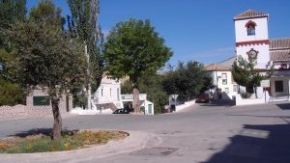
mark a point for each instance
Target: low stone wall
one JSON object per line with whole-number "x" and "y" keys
{"x": 252, "y": 101}
{"x": 80, "y": 111}
{"x": 22, "y": 112}
{"x": 185, "y": 105}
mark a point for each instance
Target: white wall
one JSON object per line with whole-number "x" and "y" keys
{"x": 144, "y": 102}
{"x": 187, "y": 104}
{"x": 109, "y": 92}
{"x": 285, "y": 87}
{"x": 261, "y": 30}
{"x": 218, "y": 77}
{"x": 263, "y": 57}
{"x": 261, "y": 33}
{"x": 263, "y": 97}
{"x": 64, "y": 105}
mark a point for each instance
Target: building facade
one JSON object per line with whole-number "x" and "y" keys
{"x": 252, "y": 42}
{"x": 108, "y": 95}
{"x": 225, "y": 87}
{"x": 38, "y": 98}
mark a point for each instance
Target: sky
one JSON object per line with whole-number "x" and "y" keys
{"x": 200, "y": 30}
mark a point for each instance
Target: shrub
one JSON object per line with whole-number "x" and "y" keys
{"x": 11, "y": 93}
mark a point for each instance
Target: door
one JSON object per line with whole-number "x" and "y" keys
{"x": 149, "y": 108}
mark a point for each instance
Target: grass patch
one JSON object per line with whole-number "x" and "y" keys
{"x": 70, "y": 140}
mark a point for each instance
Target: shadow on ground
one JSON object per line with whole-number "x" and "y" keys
{"x": 257, "y": 144}
{"x": 285, "y": 106}
{"x": 228, "y": 103}
{"x": 38, "y": 131}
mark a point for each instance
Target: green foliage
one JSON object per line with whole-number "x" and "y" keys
{"x": 188, "y": 80}
{"x": 11, "y": 11}
{"x": 45, "y": 57}
{"x": 69, "y": 141}
{"x": 152, "y": 86}
{"x": 46, "y": 12}
{"x": 84, "y": 25}
{"x": 134, "y": 49}
{"x": 11, "y": 93}
{"x": 244, "y": 74}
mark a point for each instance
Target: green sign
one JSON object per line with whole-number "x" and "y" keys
{"x": 41, "y": 101}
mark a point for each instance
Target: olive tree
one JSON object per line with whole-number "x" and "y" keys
{"x": 45, "y": 57}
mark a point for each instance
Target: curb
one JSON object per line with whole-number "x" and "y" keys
{"x": 136, "y": 141}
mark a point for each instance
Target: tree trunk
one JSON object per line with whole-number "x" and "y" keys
{"x": 89, "y": 97}
{"x": 89, "y": 89}
{"x": 136, "y": 100}
{"x": 57, "y": 124}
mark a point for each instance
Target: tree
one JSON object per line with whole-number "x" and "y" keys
{"x": 152, "y": 86}
{"x": 134, "y": 49}
{"x": 44, "y": 56}
{"x": 85, "y": 14}
{"x": 188, "y": 80}
{"x": 244, "y": 74}
{"x": 11, "y": 11}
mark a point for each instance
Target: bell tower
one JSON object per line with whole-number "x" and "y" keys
{"x": 252, "y": 38}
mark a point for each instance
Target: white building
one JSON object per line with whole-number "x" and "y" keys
{"x": 108, "y": 95}
{"x": 252, "y": 42}
{"x": 225, "y": 87}
{"x": 148, "y": 105}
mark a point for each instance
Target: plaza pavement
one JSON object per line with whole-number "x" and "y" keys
{"x": 204, "y": 133}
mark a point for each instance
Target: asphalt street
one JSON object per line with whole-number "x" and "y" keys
{"x": 204, "y": 133}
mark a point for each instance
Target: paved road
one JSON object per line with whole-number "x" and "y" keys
{"x": 202, "y": 134}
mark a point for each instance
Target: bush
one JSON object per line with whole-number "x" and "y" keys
{"x": 152, "y": 86}
{"x": 11, "y": 93}
{"x": 70, "y": 140}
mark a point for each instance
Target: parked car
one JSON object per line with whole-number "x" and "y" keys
{"x": 203, "y": 98}
{"x": 122, "y": 111}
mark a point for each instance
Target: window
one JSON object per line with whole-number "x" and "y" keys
{"x": 227, "y": 90}
{"x": 102, "y": 91}
{"x": 251, "y": 31}
{"x": 110, "y": 92}
{"x": 118, "y": 94}
{"x": 224, "y": 75}
{"x": 251, "y": 28}
{"x": 235, "y": 88}
{"x": 283, "y": 66}
{"x": 41, "y": 101}
{"x": 225, "y": 81}
{"x": 279, "y": 86}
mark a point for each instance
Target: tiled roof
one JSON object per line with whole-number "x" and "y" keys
{"x": 280, "y": 44}
{"x": 280, "y": 55}
{"x": 250, "y": 14}
{"x": 225, "y": 65}
{"x": 285, "y": 73}
{"x": 216, "y": 67}
{"x": 228, "y": 62}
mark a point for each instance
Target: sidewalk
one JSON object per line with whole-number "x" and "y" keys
{"x": 136, "y": 141}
